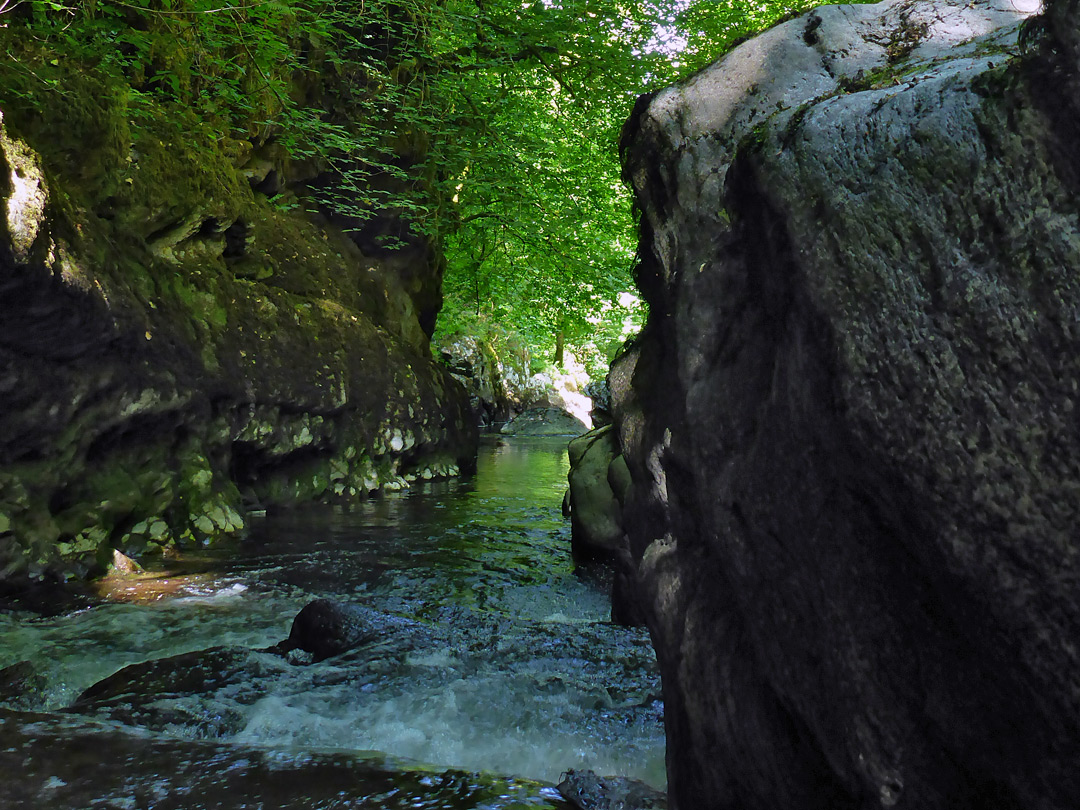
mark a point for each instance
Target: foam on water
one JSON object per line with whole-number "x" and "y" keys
{"x": 512, "y": 667}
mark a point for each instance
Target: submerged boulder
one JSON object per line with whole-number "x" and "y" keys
{"x": 851, "y": 423}
{"x": 169, "y": 693}
{"x": 206, "y": 691}
{"x": 586, "y": 790}
{"x": 21, "y": 685}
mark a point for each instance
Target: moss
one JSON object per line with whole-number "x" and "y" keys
{"x": 158, "y": 407}
{"x": 905, "y": 38}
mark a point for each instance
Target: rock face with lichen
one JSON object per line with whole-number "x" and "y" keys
{"x": 597, "y": 481}
{"x": 176, "y": 350}
{"x": 852, "y": 422}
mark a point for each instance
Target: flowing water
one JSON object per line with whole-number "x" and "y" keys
{"x": 493, "y": 657}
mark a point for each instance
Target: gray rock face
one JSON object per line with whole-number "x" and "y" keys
{"x": 852, "y": 422}
{"x": 544, "y": 422}
{"x": 586, "y": 790}
{"x": 498, "y": 383}
{"x": 594, "y": 505}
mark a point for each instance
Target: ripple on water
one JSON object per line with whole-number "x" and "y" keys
{"x": 515, "y": 671}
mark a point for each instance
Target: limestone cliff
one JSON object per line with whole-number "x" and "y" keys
{"x": 852, "y": 423}
{"x": 176, "y": 347}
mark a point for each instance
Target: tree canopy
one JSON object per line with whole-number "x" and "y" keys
{"x": 488, "y": 126}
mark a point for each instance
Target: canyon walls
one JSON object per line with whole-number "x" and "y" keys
{"x": 853, "y": 420}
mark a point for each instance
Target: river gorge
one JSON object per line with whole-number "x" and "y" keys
{"x": 507, "y": 662}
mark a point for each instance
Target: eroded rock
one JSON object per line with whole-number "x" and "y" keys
{"x": 171, "y": 357}
{"x": 586, "y": 790}
{"x": 851, "y": 424}
{"x": 595, "y": 509}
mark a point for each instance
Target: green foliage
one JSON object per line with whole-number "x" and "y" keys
{"x": 538, "y": 232}
{"x": 488, "y": 126}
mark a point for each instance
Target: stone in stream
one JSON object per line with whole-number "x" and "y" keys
{"x": 153, "y": 694}
{"x": 544, "y": 422}
{"x": 587, "y": 791}
{"x": 174, "y": 691}
{"x": 596, "y": 528}
{"x": 853, "y": 424}
{"x": 326, "y": 628}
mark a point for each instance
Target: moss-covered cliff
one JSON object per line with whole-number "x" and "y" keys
{"x": 185, "y": 334}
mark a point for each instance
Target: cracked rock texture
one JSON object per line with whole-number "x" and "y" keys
{"x": 175, "y": 350}
{"x": 853, "y": 421}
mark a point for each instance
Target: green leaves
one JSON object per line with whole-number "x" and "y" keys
{"x": 539, "y": 231}
{"x": 488, "y": 126}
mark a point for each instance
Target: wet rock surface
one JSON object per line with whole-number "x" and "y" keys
{"x": 58, "y": 763}
{"x": 195, "y": 354}
{"x": 587, "y": 791}
{"x": 851, "y": 421}
{"x": 325, "y": 628}
{"x": 595, "y": 508}
{"x": 544, "y": 422}
{"x": 169, "y": 693}
{"x": 20, "y": 684}
{"x": 157, "y": 694}
{"x": 216, "y": 693}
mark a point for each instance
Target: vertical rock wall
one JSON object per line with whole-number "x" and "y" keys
{"x": 853, "y": 423}
{"x": 175, "y": 349}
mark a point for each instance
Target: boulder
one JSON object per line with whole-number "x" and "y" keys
{"x": 325, "y": 628}
{"x": 157, "y": 694}
{"x": 544, "y": 422}
{"x": 596, "y": 529}
{"x": 586, "y": 790}
{"x": 851, "y": 423}
{"x": 176, "y": 350}
{"x": 21, "y": 685}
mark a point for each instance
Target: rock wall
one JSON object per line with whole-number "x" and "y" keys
{"x": 497, "y": 371}
{"x": 176, "y": 348}
{"x": 497, "y": 376}
{"x": 852, "y": 423}
{"x": 597, "y": 481}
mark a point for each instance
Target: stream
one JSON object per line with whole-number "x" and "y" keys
{"x": 494, "y": 671}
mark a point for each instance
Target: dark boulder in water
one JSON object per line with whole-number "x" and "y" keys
{"x": 158, "y": 694}
{"x": 587, "y": 791}
{"x": 20, "y": 684}
{"x": 326, "y": 628}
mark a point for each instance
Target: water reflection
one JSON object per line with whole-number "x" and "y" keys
{"x": 511, "y": 666}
